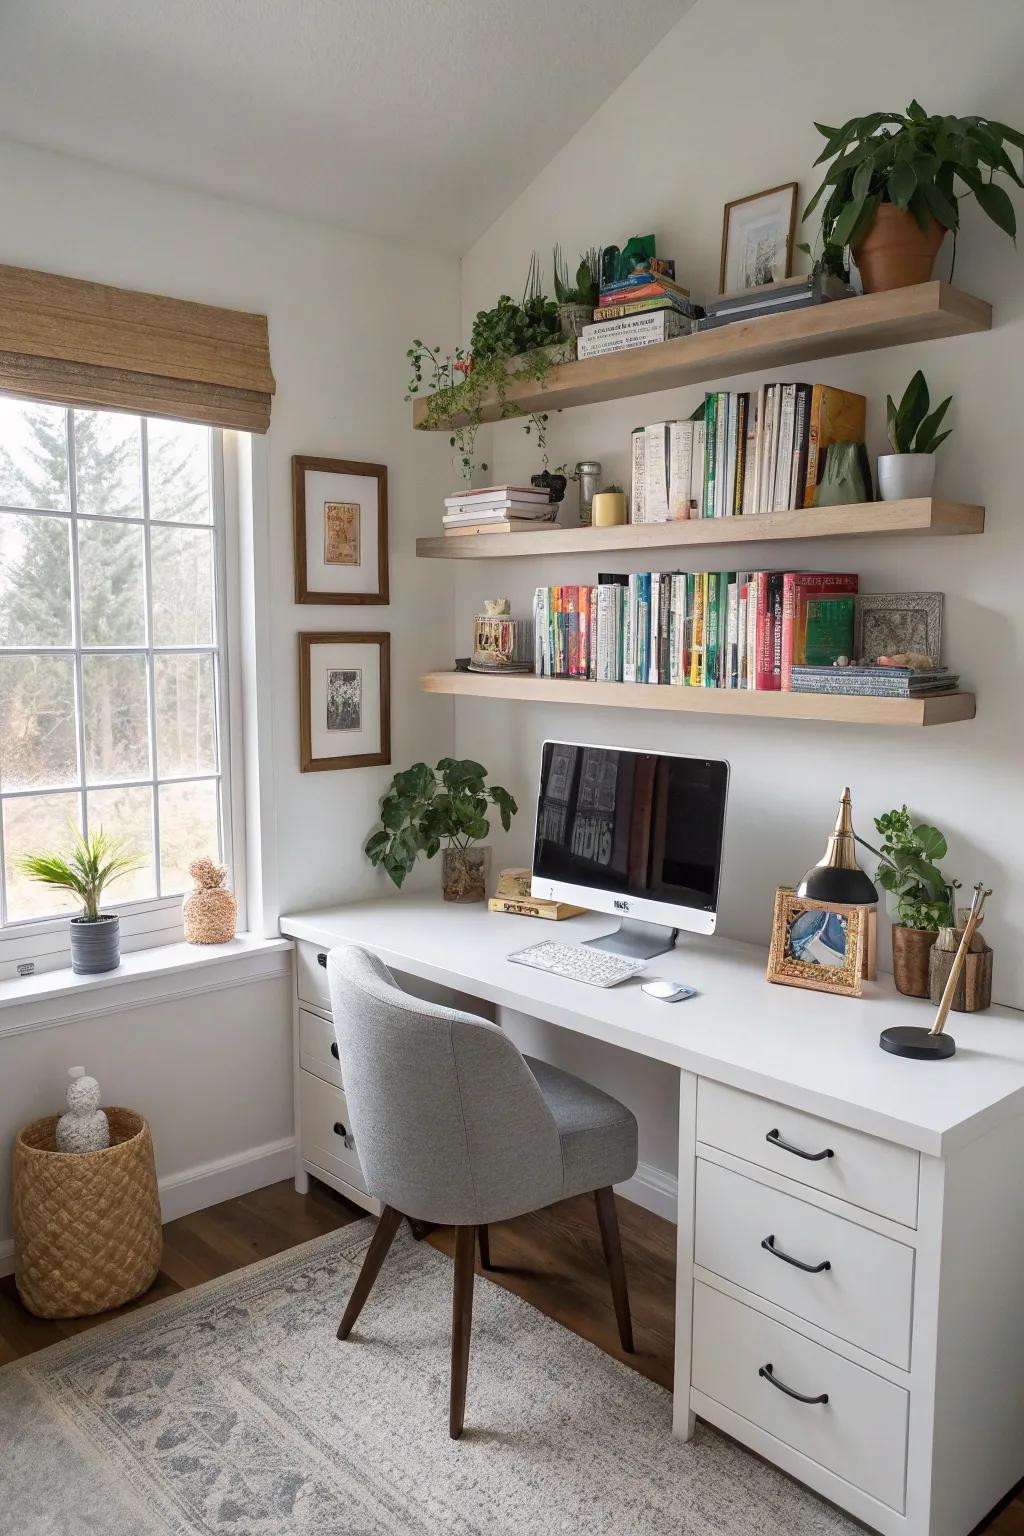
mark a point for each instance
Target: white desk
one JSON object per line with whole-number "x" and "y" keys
{"x": 916, "y": 1329}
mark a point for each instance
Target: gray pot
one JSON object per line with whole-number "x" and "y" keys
{"x": 95, "y": 946}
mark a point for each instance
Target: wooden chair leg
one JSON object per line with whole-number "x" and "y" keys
{"x": 387, "y": 1226}
{"x": 462, "y": 1324}
{"x": 608, "y": 1221}
{"x": 483, "y": 1237}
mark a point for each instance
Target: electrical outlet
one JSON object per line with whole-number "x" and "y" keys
{"x": 26, "y": 968}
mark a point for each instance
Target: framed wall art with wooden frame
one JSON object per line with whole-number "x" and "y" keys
{"x": 757, "y": 239}
{"x": 340, "y": 520}
{"x": 344, "y": 701}
{"x": 817, "y": 944}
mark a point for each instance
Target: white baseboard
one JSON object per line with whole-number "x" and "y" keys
{"x": 193, "y": 1189}
{"x": 652, "y": 1188}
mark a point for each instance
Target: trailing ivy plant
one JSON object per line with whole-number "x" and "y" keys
{"x": 908, "y": 869}
{"x": 425, "y": 807}
{"x": 912, "y": 427}
{"x": 924, "y": 164}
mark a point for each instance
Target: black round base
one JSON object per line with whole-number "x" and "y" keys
{"x": 914, "y": 1041}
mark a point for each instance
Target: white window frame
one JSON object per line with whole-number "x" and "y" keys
{"x": 42, "y": 943}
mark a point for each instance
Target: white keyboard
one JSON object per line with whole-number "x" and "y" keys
{"x": 578, "y": 962}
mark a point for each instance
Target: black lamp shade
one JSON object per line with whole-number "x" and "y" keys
{"x": 848, "y": 887}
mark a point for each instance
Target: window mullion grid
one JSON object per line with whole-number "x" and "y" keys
{"x": 154, "y": 767}
{"x": 220, "y": 656}
{"x": 76, "y": 626}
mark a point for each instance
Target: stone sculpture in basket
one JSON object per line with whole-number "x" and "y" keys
{"x": 210, "y": 911}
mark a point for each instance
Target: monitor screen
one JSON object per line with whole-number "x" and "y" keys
{"x": 643, "y": 825}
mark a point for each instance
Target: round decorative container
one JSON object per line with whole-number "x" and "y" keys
{"x": 95, "y": 944}
{"x": 464, "y": 873}
{"x": 87, "y": 1231}
{"x": 911, "y": 954}
{"x": 609, "y": 509}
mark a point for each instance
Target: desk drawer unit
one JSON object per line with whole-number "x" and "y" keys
{"x": 853, "y": 1283}
{"x": 311, "y": 976}
{"x": 318, "y": 1049}
{"x": 849, "y": 1165}
{"x": 845, "y": 1418}
{"x": 327, "y": 1138}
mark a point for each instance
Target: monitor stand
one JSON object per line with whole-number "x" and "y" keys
{"x": 637, "y": 939}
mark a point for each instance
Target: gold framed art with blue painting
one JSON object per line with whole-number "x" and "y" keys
{"x": 817, "y": 944}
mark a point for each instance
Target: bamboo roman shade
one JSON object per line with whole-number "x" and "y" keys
{"x": 85, "y": 344}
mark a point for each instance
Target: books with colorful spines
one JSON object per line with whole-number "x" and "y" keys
{"x": 763, "y": 633}
{"x": 642, "y": 279}
{"x": 740, "y": 437}
{"x": 836, "y": 416}
{"x": 650, "y": 290}
{"x": 662, "y": 305}
{"x": 653, "y": 673}
{"x": 801, "y": 444}
{"x": 711, "y": 631}
{"x": 817, "y": 619}
{"x": 710, "y": 449}
{"x": 722, "y": 433}
{"x": 874, "y": 682}
{"x": 643, "y": 628}
{"x": 700, "y": 605}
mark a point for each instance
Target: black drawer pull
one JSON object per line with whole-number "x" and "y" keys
{"x": 768, "y": 1372}
{"x": 334, "y": 1050}
{"x": 811, "y": 1157}
{"x": 339, "y": 1129}
{"x": 345, "y": 1134}
{"x": 810, "y": 1269}
{"x": 321, "y": 959}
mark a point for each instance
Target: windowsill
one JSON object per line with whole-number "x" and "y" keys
{"x": 145, "y": 976}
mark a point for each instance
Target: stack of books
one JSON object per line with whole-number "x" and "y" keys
{"x": 773, "y": 299}
{"x": 876, "y": 682}
{"x": 748, "y": 454}
{"x": 499, "y": 509}
{"x": 706, "y": 629}
{"x": 635, "y": 312}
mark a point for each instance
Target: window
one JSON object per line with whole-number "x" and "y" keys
{"x": 112, "y": 709}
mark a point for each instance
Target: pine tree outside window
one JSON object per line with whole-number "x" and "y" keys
{"x": 112, "y": 706}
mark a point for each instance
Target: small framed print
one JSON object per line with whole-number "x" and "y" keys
{"x": 344, "y": 701}
{"x": 340, "y": 517}
{"x": 757, "y": 239}
{"x": 817, "y": 944}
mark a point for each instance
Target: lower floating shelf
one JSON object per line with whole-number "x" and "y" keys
{"x": 843, "y": 708}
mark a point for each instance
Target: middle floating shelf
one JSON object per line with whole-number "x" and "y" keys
{"x": 869, "y": 519}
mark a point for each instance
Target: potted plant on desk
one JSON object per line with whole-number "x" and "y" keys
{"x": 94, "y": 863}
{"x": 426, "y": 808}
{"x": 924, "y": 897}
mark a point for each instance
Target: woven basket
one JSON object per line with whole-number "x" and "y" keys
{"x": 86, "y": 1224}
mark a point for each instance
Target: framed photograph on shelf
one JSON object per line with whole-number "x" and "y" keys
{"x": 340, "y": 518}
{"x": 817, "y": 944}
{"x": 344, "y": 701}
{"x": 757, "y": 239}
{"x": 890, "y": 623}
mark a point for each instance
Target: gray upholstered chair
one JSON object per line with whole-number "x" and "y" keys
{"x": 453, "y": 1125}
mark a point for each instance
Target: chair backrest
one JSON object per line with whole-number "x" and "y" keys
{"x": 450, "y": 1125}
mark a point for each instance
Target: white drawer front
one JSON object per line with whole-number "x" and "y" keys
{"x": 874, "y": 1174}
{"x": 326, "y": 1133}
{"x": 311, "y": 975}
{"x": 860, "y": 1434}
{"x": 318, "y": 1049}
{"x": 864, "y": 1296}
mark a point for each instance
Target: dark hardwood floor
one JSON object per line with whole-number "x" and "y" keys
{"x": 552, "y": 1259}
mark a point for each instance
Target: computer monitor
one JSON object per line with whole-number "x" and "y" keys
{"x": 636, "y": 834}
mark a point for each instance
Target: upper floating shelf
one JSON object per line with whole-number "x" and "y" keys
{"x": 862, "y": 324}
{"x": 868, "y": 519}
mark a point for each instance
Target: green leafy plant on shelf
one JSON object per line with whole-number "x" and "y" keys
{"x": 923, "y": 164}
{"x": 425, "y": 808}
{"x": 908, "y": 869}
{"x": 94, "y": 862}
{"x": 583, "y": 289}
{"x": 912, "y": 426}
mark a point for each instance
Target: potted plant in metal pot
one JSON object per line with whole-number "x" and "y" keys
{"x": 576, "y": 296}
{"x": 94, "y": 862}
{"x": 925, "y": 899}
{"x": 426, "y": 808}
{"x": 913, "y": 436}
{"x": 896, "y": 183}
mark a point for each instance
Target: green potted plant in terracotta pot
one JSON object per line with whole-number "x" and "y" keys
{"x": 925, "y": 899}
{"x": 914, "y": 435}
{"x": 94, "y": 862}
{"x": 896, "y": 182}
{"x": 426, "y": 809}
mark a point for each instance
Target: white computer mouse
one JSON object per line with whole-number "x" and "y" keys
{"x": 668, "y": 991}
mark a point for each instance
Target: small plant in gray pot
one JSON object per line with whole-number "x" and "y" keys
{"x": 94, "y": 863}
{"x": 913, "y": 436}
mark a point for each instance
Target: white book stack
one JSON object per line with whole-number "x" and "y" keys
{"x": 499, "y": 509}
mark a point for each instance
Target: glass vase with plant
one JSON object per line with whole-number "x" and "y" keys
{"x": 925, "y": 900}
{"x": 914, "y": 435}
{"x": 426, "y": 809}
{"x": 895, "y": 186}
{"x": 94, "y": 862}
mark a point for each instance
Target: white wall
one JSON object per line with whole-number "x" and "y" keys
{"x": 723, "y": 108}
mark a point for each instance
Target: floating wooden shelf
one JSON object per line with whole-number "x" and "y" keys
{"x": 862, "y": 324}
{"x": 869, "y": 519}
{"x": 849, "y": 709}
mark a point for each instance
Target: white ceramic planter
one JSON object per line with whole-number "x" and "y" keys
{"x": 902, "y": 476}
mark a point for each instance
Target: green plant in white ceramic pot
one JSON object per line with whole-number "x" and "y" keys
{"x": 914, "y": 436}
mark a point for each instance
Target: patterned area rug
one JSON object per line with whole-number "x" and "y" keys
{"x": 232, "y": 1410}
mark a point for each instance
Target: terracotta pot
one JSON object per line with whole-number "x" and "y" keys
{"x": 896, "y": 251}
{"x": 911, "y": 952}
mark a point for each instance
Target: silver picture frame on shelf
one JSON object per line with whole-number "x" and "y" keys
{"x": 893, "y": 623}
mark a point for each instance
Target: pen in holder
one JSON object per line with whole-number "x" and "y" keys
{"x": 932, "y": 1044}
